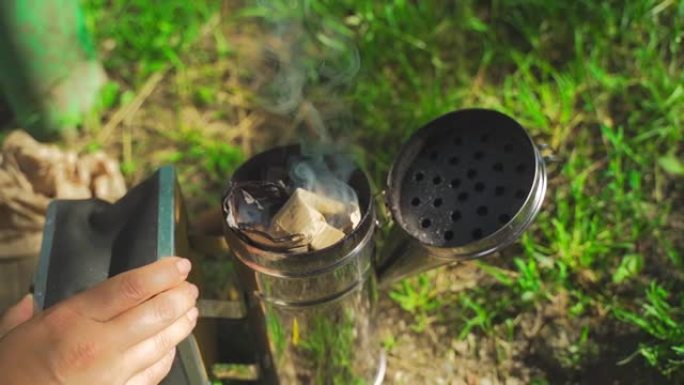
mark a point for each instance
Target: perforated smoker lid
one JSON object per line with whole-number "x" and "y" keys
{"x": 469, "y": 178}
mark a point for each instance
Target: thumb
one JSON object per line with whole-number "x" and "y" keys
{"x": 17, "y": 315}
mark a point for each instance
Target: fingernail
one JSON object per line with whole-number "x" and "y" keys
{"x": 183, "y": 266}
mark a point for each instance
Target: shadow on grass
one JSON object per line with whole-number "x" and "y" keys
{"x": 609, "y": 366}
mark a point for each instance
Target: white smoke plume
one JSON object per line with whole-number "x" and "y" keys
{"x": 309, "y": 64}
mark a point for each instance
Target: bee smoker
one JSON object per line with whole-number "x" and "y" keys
{"x": 463, "y": 186}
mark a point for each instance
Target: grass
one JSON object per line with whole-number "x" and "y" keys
{"x": 146, "y": 35}
{"x": 600, "y": 82}
{"x": 417, "y": 296}
{"x": 663, "y": 321}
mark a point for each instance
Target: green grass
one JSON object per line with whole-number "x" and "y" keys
{"x": 417, "y": 296}
{"x": 601, "y": 82}
{"x": 663, "y": 321}
{"x": 144, "y": 36}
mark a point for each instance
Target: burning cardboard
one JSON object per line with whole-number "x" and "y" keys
{"x": 327, "y": 236}
{"x": 304, "y": 213}
{"x": 304, "y": 221}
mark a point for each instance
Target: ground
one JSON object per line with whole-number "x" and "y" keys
{"x": 592, "y": 292}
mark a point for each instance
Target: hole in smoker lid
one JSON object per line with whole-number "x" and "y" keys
{"x": 425, "y": 223}
{"x": 458, "y": 141}
{"x": 508, "y": 147}
{"x": 419, "y": 176}
{"x": 520, "y": 168}
{"x": 434, "y": 155}
{"x": 455, "y": 183}
{"x": 520, "y": 194}
{"x": 472, "y": 173}
{"x": 463, "y": 196}
{"x": 448, "y": 235}
{"x": 484, "y": 138}
{"x": 415, "y": 201}
{"x": 437, "y": 180}
{"x": 479, "y": 186}
{"x": 482, "y": 211}
{"x": 437, "y": 202}
{"x": 453, "y": 160}
{"x": 499, "y": 191}
{"x": 504, "y": 218}
{"x": 478, "y": 155}
{"x": 455, "y": 216}
{"x": 477, "y": 233}
{"x": 498, "y": 166}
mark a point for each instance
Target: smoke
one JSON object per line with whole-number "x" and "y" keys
{"x": 309, "y": 62}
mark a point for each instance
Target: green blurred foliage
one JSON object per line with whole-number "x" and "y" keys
{"x": 145, "y": 36}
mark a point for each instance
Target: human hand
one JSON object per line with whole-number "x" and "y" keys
{"x": 122, "y": 332}
{"x": 16, "y": 315}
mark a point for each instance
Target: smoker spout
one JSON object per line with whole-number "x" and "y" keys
{"x": 402, "y": 256}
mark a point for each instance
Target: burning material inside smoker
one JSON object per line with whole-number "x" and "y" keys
{"x": 307, "y": 207}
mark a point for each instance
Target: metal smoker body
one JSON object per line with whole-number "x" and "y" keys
{"x": 316, "y": 307}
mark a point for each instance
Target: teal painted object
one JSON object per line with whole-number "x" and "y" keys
{"x": 48, "y": 70}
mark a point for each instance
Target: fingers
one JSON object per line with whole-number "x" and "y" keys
{"x": 155, "y": 373}
{"x": 126, "y": 290}
{"x": 17, "y": 315}
{"x": 155, "y": 315}
{"x": 151, "y": 350}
